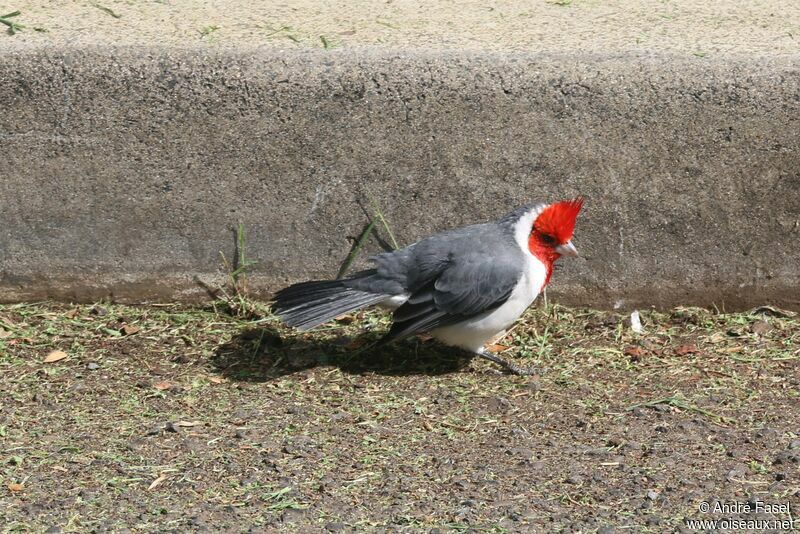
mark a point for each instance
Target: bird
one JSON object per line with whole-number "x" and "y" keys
{"x": 465, "y": 286}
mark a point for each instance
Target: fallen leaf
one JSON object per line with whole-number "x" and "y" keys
{"x": 188, "y": 423}
{"x": 717, "y": 337}
{"x": 345, "y": 319}
{"x": 13, "y": 486}
{"x": 157, "y": 482}
{"x": 161, "y": 386}
{"x": 686, "y": 349}
{"x": 772, "y": 310}
{"x": 760, "y": 328}
{"x": 4, "y": 334}
{"x": 71, "y": 314}
{"x": 129, "y": 329}
{"x": 55, "y": 356}
{"x": 427, "y": 425}
{"x": 634, "y": 352}
{"x": 217, "y": 380}
{"x": 496, "y": 347}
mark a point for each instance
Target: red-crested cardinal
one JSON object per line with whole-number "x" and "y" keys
{"x": 463, "y": 286}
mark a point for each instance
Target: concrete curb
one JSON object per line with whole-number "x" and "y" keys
{"x": 126, "y": 169}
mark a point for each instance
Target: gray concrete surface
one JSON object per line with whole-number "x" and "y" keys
{"x": 125, "y": 169}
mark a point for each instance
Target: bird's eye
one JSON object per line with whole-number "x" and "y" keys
{"x": 548, "y": 240}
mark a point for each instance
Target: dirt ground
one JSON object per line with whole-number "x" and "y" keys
{"x": 684, "y": 27}
{"x": 161, "y": 418}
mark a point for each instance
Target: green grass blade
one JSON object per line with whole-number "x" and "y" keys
{"x": 108, "y": 11}
{"x": 385, "y": 224}
{"x": 359, "y": 244}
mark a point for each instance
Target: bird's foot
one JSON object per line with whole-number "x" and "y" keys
{"x": 507, "y": 365}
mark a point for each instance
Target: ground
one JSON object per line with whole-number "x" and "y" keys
{"x": 687, "y": 28}
{"x": 173, "y": 419}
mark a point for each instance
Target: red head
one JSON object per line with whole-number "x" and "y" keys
{"x": 552, "y": 232}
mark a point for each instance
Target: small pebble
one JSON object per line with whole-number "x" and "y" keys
{"x": 653, "y": 520}
{"x": 760, "y": 328}
{"x": 534, "y": 385}
{"x": 292, "y": 515}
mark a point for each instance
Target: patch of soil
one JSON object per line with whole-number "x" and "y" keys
{"x": 172, "y": 419}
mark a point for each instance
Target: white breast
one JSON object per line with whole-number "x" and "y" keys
{"x": 474, "y": 333}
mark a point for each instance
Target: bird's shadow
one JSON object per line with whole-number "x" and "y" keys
{"x": 265, "y": 353}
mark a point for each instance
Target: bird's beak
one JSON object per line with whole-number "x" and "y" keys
{"x": 567, "y": 249}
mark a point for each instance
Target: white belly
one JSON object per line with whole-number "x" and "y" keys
{"x": 392, "y": 303}
{"x": 473, "y": 333}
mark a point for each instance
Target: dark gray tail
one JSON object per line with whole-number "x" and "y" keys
{"x": 309, "y": 304}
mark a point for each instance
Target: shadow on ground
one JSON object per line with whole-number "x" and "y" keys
{"x": 262, "y": 354}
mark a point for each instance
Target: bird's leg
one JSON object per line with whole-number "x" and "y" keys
{"x": 511, "y": 367}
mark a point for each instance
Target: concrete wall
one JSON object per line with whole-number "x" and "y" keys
{"x": 125, "y": 170}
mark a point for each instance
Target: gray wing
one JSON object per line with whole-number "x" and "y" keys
{"x": 455, "y": 276}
